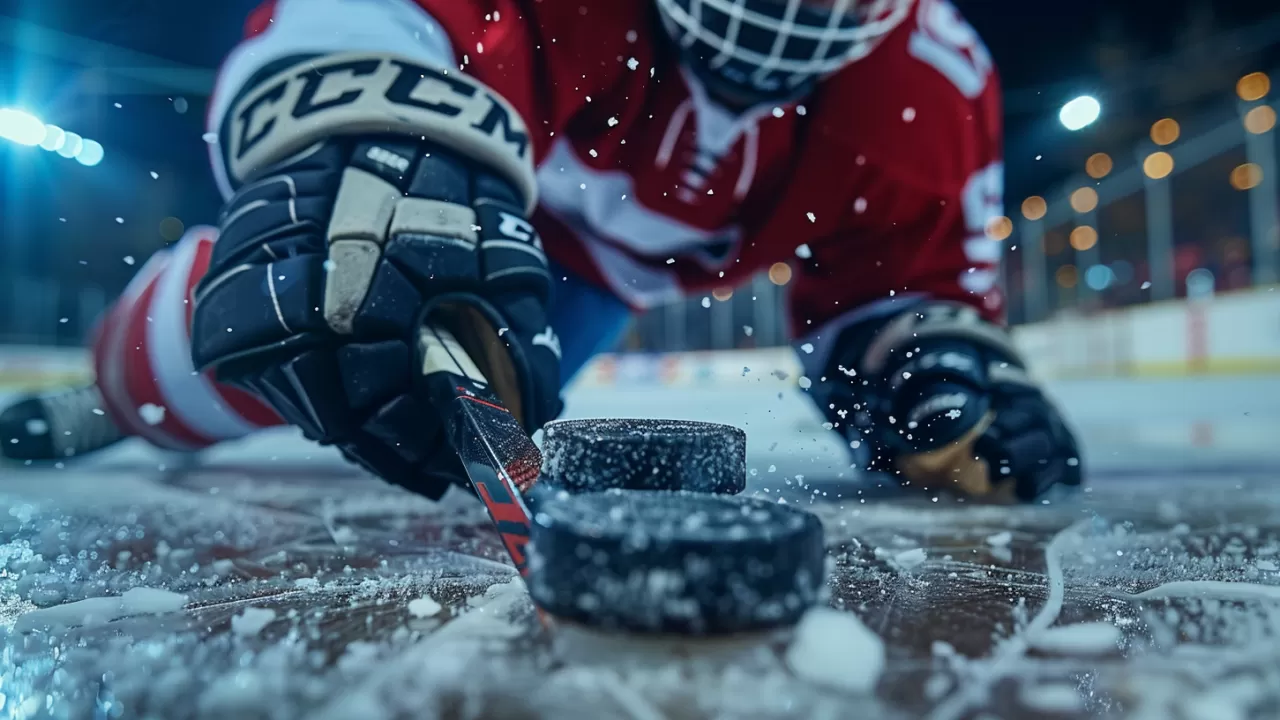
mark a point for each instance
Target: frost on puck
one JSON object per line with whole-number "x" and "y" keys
{"x": 605, "y": 454}
{"x": 675, "y": 562}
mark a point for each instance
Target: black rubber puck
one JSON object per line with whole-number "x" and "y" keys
{"x": 674, "y": 562}
{"x": 26, "y": 432}
{"x": 594, "y": 455}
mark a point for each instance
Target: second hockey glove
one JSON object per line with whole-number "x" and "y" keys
{"x": 940, "y": 399}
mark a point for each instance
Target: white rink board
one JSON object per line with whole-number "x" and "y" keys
{"x": 1126, "y": 424}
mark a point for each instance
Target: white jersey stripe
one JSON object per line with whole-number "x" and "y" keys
{"x": 604, "y": 203}
{"x": 189, "y": 395}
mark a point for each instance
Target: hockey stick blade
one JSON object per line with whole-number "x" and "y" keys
{"x": 499, "y": 458}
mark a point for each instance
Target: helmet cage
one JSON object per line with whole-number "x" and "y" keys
{"x": 776, "y": 46}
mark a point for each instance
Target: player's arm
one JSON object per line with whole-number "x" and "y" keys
{"x": 911, "y": 362}
{"x": 370, "y": 185}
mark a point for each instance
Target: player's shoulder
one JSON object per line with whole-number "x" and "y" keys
{"x": 562, "y": 23}
{"x": 924, "y": 105}
{"x": 591, "y": 39}
{"x": 593, "y": 30}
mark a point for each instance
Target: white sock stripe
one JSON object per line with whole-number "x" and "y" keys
{"x": 112, "y": 380}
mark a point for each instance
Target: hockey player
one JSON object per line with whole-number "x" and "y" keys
{"x": 532, "y": 172}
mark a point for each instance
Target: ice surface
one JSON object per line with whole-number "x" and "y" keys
{"x": 1181, "y": 563}
{"x": 342, "y": 630}
{"x": 1000, "y": 539}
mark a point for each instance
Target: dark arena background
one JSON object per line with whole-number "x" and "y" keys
{"x": 266, "y": 578}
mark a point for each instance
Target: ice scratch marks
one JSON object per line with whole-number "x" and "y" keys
{"x": 984, "y": 674}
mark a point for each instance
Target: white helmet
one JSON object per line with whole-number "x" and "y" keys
{"x": 776, "y": 49}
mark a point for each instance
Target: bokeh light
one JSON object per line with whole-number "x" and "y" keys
{"x": 780, "y": 273}
{"x": 1000, "y": 228}
{"x": 1253, "y": 86}
{"x": 1260, "y": 119}
{"x": 1098, "y": 165}
{"x": 1165, "y": 131}
{"x": 1158, "y": 165}
{"x": 1246, "y": 177}
{"x": 1034, "y": 207}
{"x": 1084, "y": 200}
{"x": 23, "y": 128}
{"x": 171, "y": 229}
{"x": 1099, "y": 277}
{"x": 1084, "y": 238}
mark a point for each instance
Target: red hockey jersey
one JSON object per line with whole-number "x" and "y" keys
{"x": 878, "y": 185}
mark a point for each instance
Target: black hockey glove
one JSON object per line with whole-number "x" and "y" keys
{"x": 370, "y": 194}
{"x": 940, "y": 399}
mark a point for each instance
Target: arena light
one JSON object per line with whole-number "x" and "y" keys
{"x": 1080, "y": 113}
{"x": 23, "y": 128}
{"x": 91, "y": 153}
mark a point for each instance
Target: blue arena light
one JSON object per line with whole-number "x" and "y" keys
{"x": 91, "y": 153}
{"x": 23, "y": 128}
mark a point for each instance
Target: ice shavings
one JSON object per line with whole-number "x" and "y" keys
{"x": 1209, "y": 589}
{"x": 1094, "y": 638}
{"x": 1051, "y": 698}
{"x": 99, "y": 610}
{"x": 834, "y": 649}
{"x": 252, "y": 621}
{"x": 904, "y": 560}
{"x": 1000, "y": 539}
{"x": 151, "y": 414}
{"x": 424, "y": 607}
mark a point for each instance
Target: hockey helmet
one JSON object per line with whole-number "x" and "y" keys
{"x": 775, "y": 50}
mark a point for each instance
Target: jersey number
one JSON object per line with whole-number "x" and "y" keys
{"x": 946, "y": 41}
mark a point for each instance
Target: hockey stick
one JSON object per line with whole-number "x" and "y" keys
{"x": 499, "y": 458}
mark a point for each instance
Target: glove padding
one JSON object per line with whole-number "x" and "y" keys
{"x": 939, "y": 399}
{"x": 327, "y": 265}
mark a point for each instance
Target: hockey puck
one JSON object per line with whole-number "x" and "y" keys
{"x": 594, "y": 455}
{"x": 674, "y": 562}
